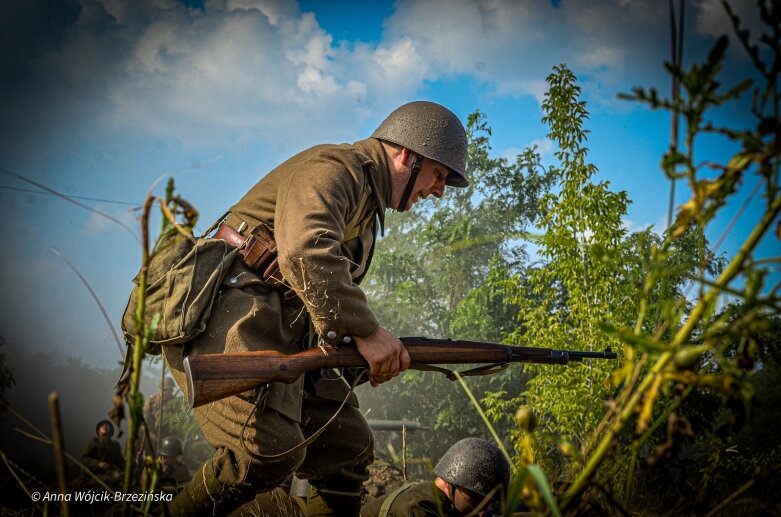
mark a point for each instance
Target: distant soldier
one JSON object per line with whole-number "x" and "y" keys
{"x": 471, "y": 476}
{"x": 172, "y": 471}
{"x": 103, "y": 455}
{"x": 154, "y": 407}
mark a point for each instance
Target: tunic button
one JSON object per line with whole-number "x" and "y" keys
{"x": 346, "y": 339}
{"x": 331, "y": 334}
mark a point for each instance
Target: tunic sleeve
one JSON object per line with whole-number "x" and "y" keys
{"x": 312, "y": 208}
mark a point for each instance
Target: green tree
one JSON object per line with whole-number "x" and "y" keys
{"x": 562, "y": 302}
{"x": 691, "y": 348}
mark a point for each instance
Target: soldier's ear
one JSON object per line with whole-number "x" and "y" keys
{"x": 409, "y": 157}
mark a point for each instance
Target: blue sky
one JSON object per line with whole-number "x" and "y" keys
{"x": 103, "y": 97}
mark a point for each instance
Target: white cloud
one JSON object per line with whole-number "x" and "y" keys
{"x": 632, "y": 226}
{"x": 237, "y": 71}
{"x": 358, "y": 90}
{"x": 602, "y": 57}
{"x": 314, "y": 81}
{"x": 544, "y": 146}
{"x": 400, "y": 63}
{"x": 317, "y": 50}
{"x": 711, "y": 19}
{"x": 514, "y": 44}
{"x": 261, "y": 70}
{"x": 544, "y": 149}
{"x": 274, "y": 10}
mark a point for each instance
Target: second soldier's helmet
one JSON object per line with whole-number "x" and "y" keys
{"x": 110, "y": 425}
{"x": 431, "y": 130}
{"x": 476, "y": 465}
{"x": 171, "y": 446}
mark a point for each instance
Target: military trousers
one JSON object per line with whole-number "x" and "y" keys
{"x": 337, "y": 460}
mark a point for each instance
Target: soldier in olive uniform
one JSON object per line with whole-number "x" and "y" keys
{"x": 103, "y": 455}
{"x": 324, "y": 207}
{"x": 472, "y": 475}
{"x": 173, "y": 473}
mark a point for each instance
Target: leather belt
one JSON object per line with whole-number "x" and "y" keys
{"x": 259, "y": 252}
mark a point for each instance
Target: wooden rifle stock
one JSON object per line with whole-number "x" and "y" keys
{"x": 213, "y": 377}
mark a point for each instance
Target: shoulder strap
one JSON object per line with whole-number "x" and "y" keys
{"x": 356, "y": 224}
{"x": 388, "y": 502}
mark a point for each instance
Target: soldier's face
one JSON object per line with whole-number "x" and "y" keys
{"x": 104, "y": 431}
{"x": 167, "y": 461}
{"x": 465, "y": 502}
{"x": 430, "y": 182}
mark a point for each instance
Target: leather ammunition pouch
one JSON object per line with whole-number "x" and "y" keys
{"x": 259, "y": 252}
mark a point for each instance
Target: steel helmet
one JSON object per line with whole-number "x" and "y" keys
{"x": 171, "y": 446}
{"x": 476, "y": 465}
{"x": 110, "y": 425}
{"x": 431, "y": 130}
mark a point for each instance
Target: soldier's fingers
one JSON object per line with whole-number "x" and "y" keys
{"x": 404, "y": 359}
{"x": 383, "y": 368}
{"x": 393, "y": 366}
{"x": 376, "y": 381}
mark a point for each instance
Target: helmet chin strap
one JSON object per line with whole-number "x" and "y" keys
{"x": 413, "y": 176}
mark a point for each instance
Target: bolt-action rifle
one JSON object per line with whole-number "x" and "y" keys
{"x": 215, "y": 376}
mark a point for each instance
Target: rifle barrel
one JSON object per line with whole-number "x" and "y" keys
{"x": 580, "y": 355}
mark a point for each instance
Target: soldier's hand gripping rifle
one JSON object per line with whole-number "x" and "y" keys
{"x": 215, "y": 376}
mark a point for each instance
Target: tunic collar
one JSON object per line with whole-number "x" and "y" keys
{"x": 380, "y": 175}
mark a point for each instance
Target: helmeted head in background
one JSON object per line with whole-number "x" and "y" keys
{"x": 171, "y": 446}
{"x": 104, "y": 428}
{"x": 476, "y": 465}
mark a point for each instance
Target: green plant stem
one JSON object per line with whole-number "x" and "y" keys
{"x": 138, "y": 355}
{"x": 680, "y": 337}
{"x": 485, "y": 418}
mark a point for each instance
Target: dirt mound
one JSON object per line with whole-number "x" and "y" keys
{"x": 384, "y": 478}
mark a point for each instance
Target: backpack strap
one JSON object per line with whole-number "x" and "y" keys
{"x": 388, "y": 502}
